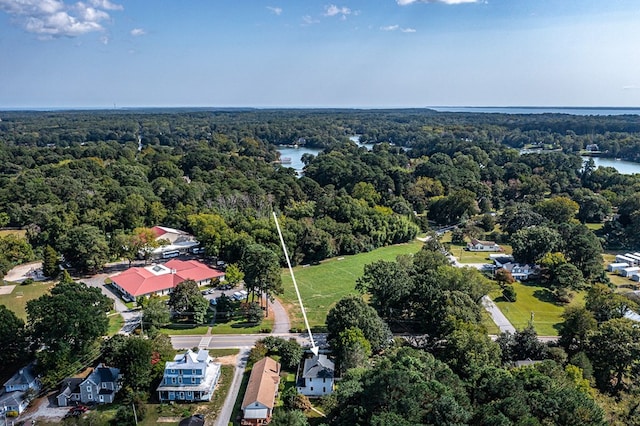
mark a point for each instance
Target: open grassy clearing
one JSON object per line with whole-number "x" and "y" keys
{"x": 17, "y": 232}
{"x": 535, "y": 299}
{"x": 321, "y": 286}
{"x": 115, "y": 323}
{"x": 17, "y": 300}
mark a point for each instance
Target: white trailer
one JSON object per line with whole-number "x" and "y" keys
{"x": 627, "y": 272}
{"x": 613, "y": 267}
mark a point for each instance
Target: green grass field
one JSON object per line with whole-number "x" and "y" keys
{"x": 321, "y": 286}
{"x": 115, "y": 324}
{"x": 241, "y": 327}
{"x": 536, "y": 299}
{"x": 21, "y": 294}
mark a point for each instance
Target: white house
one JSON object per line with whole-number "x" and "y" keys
{"x": 521, "y": 272}
{"x": 617, "y": 266}
{"x": 479, "y": 245}
{"x": 317, "y": 376}
{"x": 189, "y": 377}
{"x": 14, "y": 397}
{"x": 259, "y": 398}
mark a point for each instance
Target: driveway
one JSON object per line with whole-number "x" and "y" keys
{"x": 224, "y": 418}
{"x": 498, "y": 317}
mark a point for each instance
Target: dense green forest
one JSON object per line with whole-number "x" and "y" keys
{"x": 86, "y": 185}
{"x": 78, "y": 179}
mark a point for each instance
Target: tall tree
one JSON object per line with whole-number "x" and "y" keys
{"x": 261, "y": 269}
{"x": 614, "y": 349}
{"x": 13, "y": 337}
{"x": 578, "y": 324}
{"x": 352, "y": 311}
{"x": 66, "y": 323}
{"x": 186, "y": 300}
{"x": 85, "y": 247}
{"x": 50, "y": 261}
{"x": 155, "y": 314}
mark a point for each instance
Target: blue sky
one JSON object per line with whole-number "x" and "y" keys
{"x": 308, "y": 53}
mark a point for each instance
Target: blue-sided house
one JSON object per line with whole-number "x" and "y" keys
{"x": 189, "y": 377}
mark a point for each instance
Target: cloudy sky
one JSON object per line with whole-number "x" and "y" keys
{"x": 309, "y": 53}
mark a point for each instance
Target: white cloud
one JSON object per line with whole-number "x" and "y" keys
{"x": 104, "y": 40}
{"x": 631, "y": 87}
{"x": 333, "y": 10}
{"x": 398, "y": 27}
{"x": 106, "y": 4}
{"x": 308, "y": 20}
{"x": 275, "y": 10}
{"x": 407, "y": 2}
{"x": 136, "y": 32}
{"x": 56, "y": 18}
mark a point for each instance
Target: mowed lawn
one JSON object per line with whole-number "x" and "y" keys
{"x": 17, "y": 300}
{"x": 321, "y": 286}
{"x": 536, "y": 299}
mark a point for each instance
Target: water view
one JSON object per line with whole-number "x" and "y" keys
{"x": 623, "y": 167}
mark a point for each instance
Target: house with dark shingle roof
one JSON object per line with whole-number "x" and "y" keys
{"x": 100, "y": 387}
{"x": 14, "y": 395}
{"x": 317, "y": 376}
{"x": 259, "y": 398}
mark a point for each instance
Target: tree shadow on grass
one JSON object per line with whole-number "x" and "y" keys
{"x": 544, "y": 295}
{"x": 244, "y": 325}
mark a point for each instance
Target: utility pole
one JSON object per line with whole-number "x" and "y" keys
{"x": 135, "y": 416}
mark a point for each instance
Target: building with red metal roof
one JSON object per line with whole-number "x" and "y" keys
{"x": 162, "y": 279}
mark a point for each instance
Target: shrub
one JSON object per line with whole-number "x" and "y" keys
{"x": 509, "y": 293}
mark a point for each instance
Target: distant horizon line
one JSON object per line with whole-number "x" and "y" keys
{"x": 129, "y": 108}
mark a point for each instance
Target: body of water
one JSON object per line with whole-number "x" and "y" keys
{"x": 295, "y": 154}
{"x": 542, "y": 110}
{"x": 623, "y": 167}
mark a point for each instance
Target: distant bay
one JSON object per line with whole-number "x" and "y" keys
{"x": 543, "y": 110}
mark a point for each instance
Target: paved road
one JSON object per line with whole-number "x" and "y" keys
{"x": 131, "y": 318}
{"x": 224, "y": 418}
{"x": 498, "y": 317}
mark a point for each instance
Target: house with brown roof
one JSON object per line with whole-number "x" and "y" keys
{"x": 161, "y": 279}
{"x": 479, "y": 245}
{"x": 259, "y": 399}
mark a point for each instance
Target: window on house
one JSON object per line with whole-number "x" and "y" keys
{"x": 90, "y": 397}
{"x": 89, "y": 388}
{"x": 324, "y": 390}
{"x": 173, "y": 380}
{"x": 312, "y": 388}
